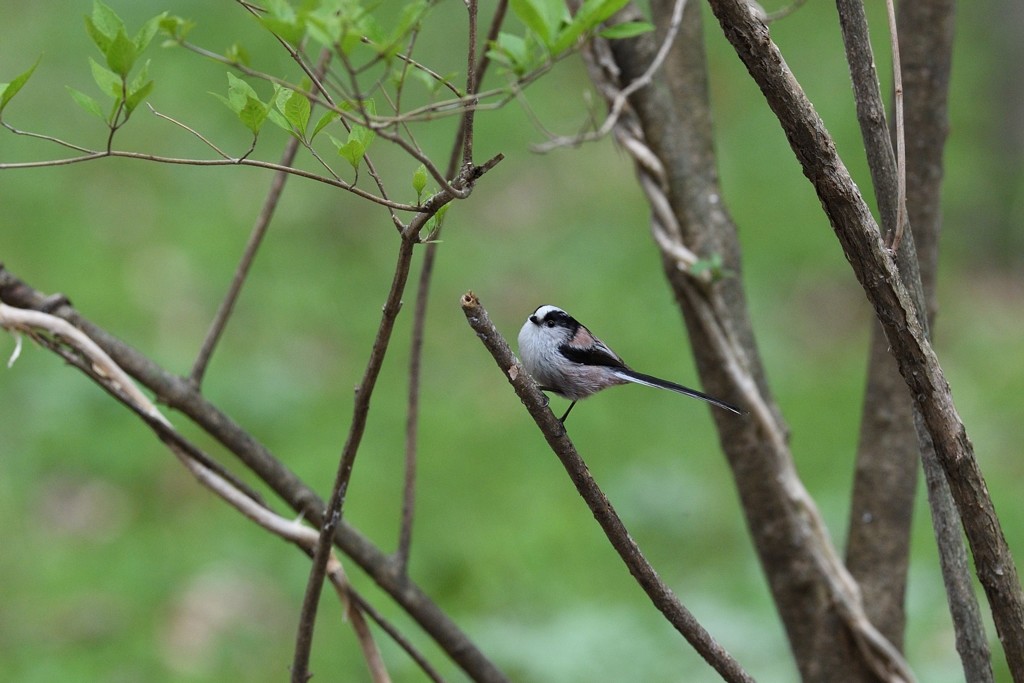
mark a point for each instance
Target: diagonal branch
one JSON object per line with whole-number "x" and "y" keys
{"x": 419, "y": 320}
{"x": 179, "y": 394}
{"x": 892, "y": 435}
{"x": 875, "y": 269}
{"x": 554, "y": 432}
{"x": 227, "y": 305}
{"x": 463, "y": 185}
{"x": 668, "y": 132}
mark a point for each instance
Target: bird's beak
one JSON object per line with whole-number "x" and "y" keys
{"x": 533, "y": 319}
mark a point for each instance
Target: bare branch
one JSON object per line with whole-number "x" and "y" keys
{"x": 875, "y": 269}
{"x": 291, "y": 170}
{"x": 462, "y": 185}
{"x": 227, "y": 305}
{"x": 554, "y": 432}
{"x": 177, "y": 393}
{"x": 901, "y": 145}
{"x": 32, "y": 322}
{"x": 420, "y": 320}
{"x": 192, "y": 131}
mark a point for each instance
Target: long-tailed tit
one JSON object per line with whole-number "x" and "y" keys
{"x": 565, "y": 358}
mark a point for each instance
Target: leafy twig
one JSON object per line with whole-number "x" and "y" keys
{"x": 621, "y": 99}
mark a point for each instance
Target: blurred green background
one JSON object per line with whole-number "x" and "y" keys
{"x": 116, "y": 566}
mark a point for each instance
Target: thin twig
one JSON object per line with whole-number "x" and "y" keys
{"x": 192, "y": 131}
{"x": 24, "y": 320}
{"x": 92, "y": 156}
{"x": 332, "y": 516}
{"x": 227, "y": 305}
{"x": 554, "y": 432}
{"x": 397, "y": 637}
{"x": 901, "y": 145}
{"x": 419, "y": 322}
{"x": 471, "y": 85}
{"x": 783, "y": 12}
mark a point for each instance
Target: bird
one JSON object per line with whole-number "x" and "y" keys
{"x": 567, "y": 359}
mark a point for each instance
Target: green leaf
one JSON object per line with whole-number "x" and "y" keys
{"x": 252, "y": 114}
{"x": 280, "y": 9}
{"x": 121, "y": 54}
{"x": 353, "y": 149}
{"x": 714, "y": 265}
{"x": 290, "y": 32}
{"x": 419, "y": 180}
{"x": 104, "y": 25}
{"x": 296, "y": 109}
{"x": 139, "y": 89}
{"x": 593, "y": 12}
{"x": 325, "y": 120}
{"x": 176, "y": 27}
{"x": 412, "y": 16}
{"x": 98, "y": 37}
{"x": 539, "y": 17}
{"x": 237, "y": 54}
{"x": 246, "y": 104}
{"x": 324, "y": 27}
{"x": 629, "y": 29}
{"x": 137, "y": 95}
{"x": 9, "y": 90}
{"x": 109, "y": 82}
{"x": 145, "y": 34}
{"x": 589, "y": 17}
{"x": 239, "y": 92}
{"x": 434, "y": 223}
{"x": 141, "y": 78}
{"x": 511, "y": 51}
{"x": 282, "y": 20}
{"x": 275, "y": 117}
{"x": 87, "y": 103}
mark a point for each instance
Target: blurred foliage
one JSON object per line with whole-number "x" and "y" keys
{"x": 118, "y": 567}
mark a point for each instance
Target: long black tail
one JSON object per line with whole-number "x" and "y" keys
{"x": 651, "y": 381}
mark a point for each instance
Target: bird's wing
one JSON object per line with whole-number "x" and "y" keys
{"x": 586, "y": 349}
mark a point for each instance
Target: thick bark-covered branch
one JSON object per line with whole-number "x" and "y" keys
{"x": 878, "y": 543}
{"x": 668, "y": 132}
{"x": 885, "y": 477}
{"x": 876, "y": 270}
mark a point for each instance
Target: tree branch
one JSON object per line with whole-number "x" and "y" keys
{"x": 668, "y": 133}
{"x": 180, "y": 395}
{"x": 554, "y": 432}
{"x": 877, "y": 272}
{"x": 419, "y": 320}
{"x": 881, "y": 506}
{"x": 227, "y": 305}
{"x": 462, "y": 185}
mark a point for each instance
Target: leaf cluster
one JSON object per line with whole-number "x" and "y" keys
{"x": 552, "y": 31}
{"x": 120, "y": 53}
